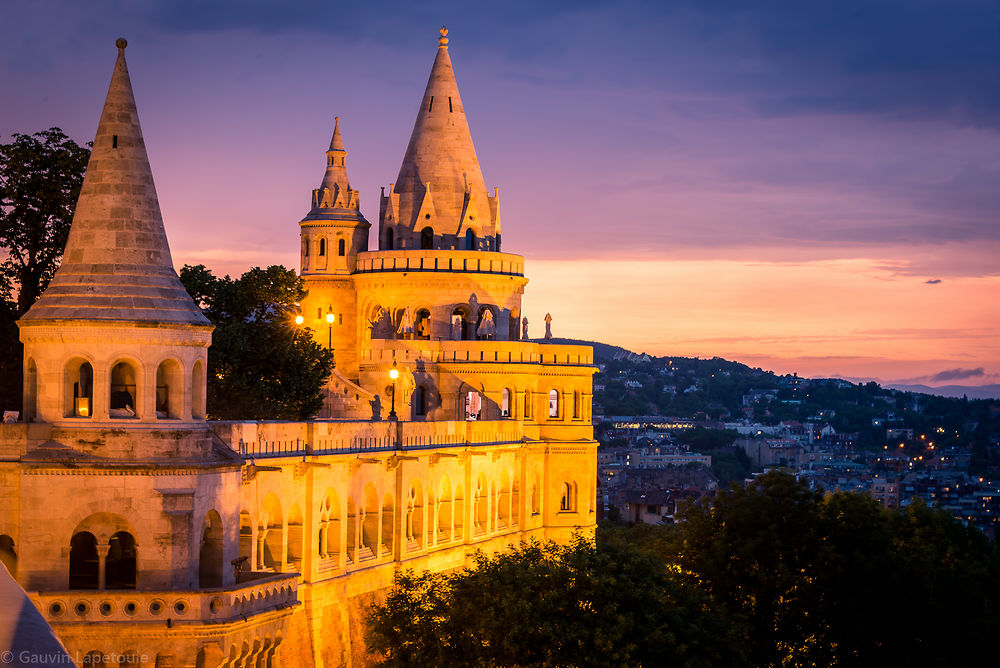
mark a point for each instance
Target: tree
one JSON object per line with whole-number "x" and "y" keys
{"x": 40, "y": 180}
{"x": 549, "y": 605}
{"x": 812, "y": 579}
{"x": 261, "y": 365}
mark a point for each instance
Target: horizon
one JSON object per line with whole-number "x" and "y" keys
{"x": 801, "y": 190}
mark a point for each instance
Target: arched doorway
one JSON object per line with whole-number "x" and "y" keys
{"x": 427, "y": 238}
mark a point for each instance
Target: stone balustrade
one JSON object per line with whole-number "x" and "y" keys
{"x": 261, "y": 594}
{"x": 288, "y": 439}
{"x": 411, "y": 352}
{"x": 482, "y": 262}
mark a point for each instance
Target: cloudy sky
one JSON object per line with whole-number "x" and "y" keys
{"x": 804, "y": 186}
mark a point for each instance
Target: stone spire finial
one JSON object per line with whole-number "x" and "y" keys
{"x": 337, "y": 142}
{"x": 443, "y": 39}
{"x": 117, "y": 265}
{"x": 121, "y": 43}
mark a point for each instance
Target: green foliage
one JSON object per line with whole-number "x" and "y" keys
{"x": 769, "y": 575}
{"x": 838, "y": 580}
{"x": 261, "y": 365}
{"x": 549, "y": 605}
{"x": 40, "y": 180}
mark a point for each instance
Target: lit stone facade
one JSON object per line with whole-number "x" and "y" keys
{"x": 126, "y": 515}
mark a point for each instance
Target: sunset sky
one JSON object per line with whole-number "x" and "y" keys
{"x": 810, "y": 187}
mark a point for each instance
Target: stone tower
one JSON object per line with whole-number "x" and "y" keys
{"x": 334, "y": 231}
{"x": 439, "y": 200}
{"x": 115, "y": 340}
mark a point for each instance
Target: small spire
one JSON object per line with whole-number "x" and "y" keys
{"x": 337, "y": 142}
{"x": 443, "y": 39}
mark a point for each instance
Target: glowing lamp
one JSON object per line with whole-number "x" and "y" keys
{"x": 299, "y": 319}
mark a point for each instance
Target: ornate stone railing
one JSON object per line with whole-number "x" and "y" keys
{"x": 410, "y": 352}
{"x": 292, "y": 439}
{"x": 483, "y": 262}
{"x": 261, "y": 594}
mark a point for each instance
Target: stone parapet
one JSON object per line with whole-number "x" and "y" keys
{"x": 262, "y": 594}
{"x": 407, "y": 351}
{"x": 483, "y": 262}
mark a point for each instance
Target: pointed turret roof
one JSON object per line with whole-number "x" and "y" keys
{"x": 117, "y": 265}
{"x": 336, "y": 162}
{"x": 335, "y": 200}
{"x": 441, "y": 151}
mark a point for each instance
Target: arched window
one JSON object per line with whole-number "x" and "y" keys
{"x": 427, "y": 238}
{"x": 31, "y": 392}
{"x": 420, "y": 401}
{"x": 322, "y": 247}
{"x": 498, "y": 242}
{"x": 527, "y": 404}
{"x": 122, "y": 398}
{"x": 169, "y": 390}
{"x": 198, "y": 390}
{"x": 341, "y": 247}
{"x": 567, "y": 497}
{"x": 470, "y": 239}
{"x": 422, "y": 327}
{"x": 8, "y": 557}
{"x": 305, "y": 246}
{"x": 459, "y": 324}
{"x": 79, "y": 388}
{"x": 553, "y": 403}
{"x": 210, "y": 556}
{"x": 576, "y": 405}
{"x": 388, "y": 239}
{"x": 84, "y": 566}
{"x": 473, "y": 406}
{"x": 505, "y": 403}
{"x": 119, "y": 568}
{"x": 246, "y": 540}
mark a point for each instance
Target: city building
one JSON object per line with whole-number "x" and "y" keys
{"x": 144, "y": 531}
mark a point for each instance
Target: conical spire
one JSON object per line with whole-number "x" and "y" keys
{"x": 335, "y": 178}
{"x": 441, "y": 153}
{"x": 117, "y": 263}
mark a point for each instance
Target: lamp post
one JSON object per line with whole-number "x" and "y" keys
{"x": 330, "y": 318}
{"x": 394, "y": 374}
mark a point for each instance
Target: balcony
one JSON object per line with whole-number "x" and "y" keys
{"x": 265, "y": 593}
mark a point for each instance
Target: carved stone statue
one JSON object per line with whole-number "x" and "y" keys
{"x": 405, "y": 329}
{"x": 456, "y": 327}
{"x": 524, "y": 328}
{"x": 487, "y": 328}
{"x": 376, "y": 405}
{"x": 548, "y": 325}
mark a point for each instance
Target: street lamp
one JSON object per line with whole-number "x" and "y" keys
{"x": 299, "y": 319}
{"x": 394, "y": 374}
{"x": 330, "y": 318}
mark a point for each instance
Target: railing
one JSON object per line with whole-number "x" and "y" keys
{"x": 481, "y": 262}
{"x": 262, "y": 594}
{"x": 294, "y": 439}
{"x": 437, "y": 351}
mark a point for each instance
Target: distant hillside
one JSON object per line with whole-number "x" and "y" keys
{"x": 604, "y": 352}
{"x": 954, "y": 391}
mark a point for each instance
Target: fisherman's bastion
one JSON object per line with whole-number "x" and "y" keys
{"x": 146, "y": 533}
